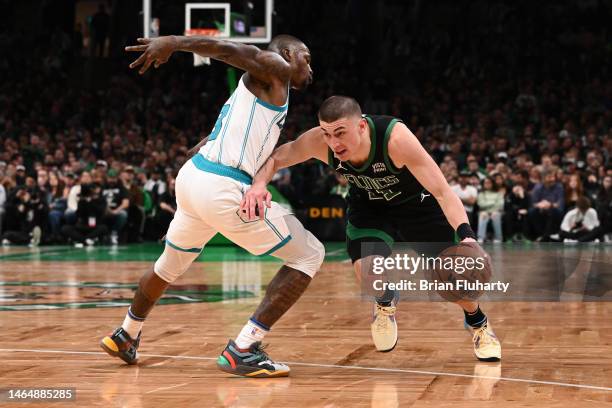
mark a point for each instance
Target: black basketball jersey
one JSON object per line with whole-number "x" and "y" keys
{"x": 377, "y": 183}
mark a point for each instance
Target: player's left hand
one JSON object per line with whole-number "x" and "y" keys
{"x": 256, "y": 198}
{"x": 155, "y": 51}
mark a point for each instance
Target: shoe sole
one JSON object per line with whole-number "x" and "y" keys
{"x": 106, "y": 343}
{"x": 489, "y": 359}
{"x": 245, "y": 371}
{"x": 388, "y": 350}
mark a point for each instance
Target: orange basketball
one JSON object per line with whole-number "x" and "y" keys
{"x": 461, "y": 270}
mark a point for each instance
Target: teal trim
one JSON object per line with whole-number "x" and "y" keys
{"x": 178, "y": 248}
{"x": 278, "y": 246}
{"x": 278, "y": 234}
{"x": 246, "y": 134}
{"x": 229, "y": 117}
{"x": 273, "y": 107}
{"x": 355, "y": 233}
{"x": 221, "y": 169}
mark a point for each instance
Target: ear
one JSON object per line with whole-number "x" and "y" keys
{"x": 363, "y": 123}
{"x": 286, "y": 54}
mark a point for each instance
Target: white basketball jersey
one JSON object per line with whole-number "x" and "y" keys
{"x": 246, "y": 131}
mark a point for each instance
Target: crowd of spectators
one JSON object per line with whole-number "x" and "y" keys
{"x": 515, "y": 108}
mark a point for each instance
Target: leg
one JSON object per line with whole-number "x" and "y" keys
{"x": 302, "y": 254}
{"x": 186, "y": 238}
{"x": 483, "y": 221}
{"x": 497, "y": 226}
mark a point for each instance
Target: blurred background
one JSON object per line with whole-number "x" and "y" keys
{"x": 513, "y": 99}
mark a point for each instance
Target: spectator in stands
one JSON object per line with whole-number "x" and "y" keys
{"x": 91, "y": 209}
{"x": 167, "y": 206}
{"x": 73, "y": 197}
{"x": 467, "y": 193}
{"x": 516, "y": 208}
{"x": 58, "y": 203}
{"x": 136, "y": 214}
{"x": 580, "y": 224}
{"x": 547, "y": 204}
{"x": 573, "y": 190}
{"x": 26, "y": 212}
{"x": 490, "y": 208}
{"x": 100, "y": 24}
{"x": 118, "y": 202}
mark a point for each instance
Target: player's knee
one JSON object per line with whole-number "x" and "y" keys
{"x": 306, "y": 258}
{"x": 172, "y": 264}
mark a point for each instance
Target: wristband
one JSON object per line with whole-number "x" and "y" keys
{"x": 465, "y": 231}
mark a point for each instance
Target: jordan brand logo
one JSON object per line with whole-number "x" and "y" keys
{"x": 340, "y": 166}
{"x": 424, "y": 196}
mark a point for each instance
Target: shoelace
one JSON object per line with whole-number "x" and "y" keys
{"x": 258, "y": 349}
{"x": 483, "y": 336}
{"x": 381, "y": 324}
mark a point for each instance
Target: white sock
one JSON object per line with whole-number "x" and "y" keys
{"x": 250, "y": 333}
{"x": 132, "y": 324}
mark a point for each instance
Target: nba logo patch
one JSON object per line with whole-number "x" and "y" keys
{"x": 378, "y": 167}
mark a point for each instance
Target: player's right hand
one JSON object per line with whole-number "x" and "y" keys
{"x": 154, "y": 50}
{"x": 256, "y": 198}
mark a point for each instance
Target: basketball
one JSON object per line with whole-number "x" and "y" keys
{"x": 462, "y": 270}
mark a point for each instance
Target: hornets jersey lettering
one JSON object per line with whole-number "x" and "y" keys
{"x": 245, "y": 132}
{"x": 378, "y": 183}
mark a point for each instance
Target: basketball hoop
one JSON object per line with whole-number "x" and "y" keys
{"x": 209, "y": 32}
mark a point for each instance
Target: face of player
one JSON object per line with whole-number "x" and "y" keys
{"x": 302, "y": 73}
{"x": 344, "y": 136}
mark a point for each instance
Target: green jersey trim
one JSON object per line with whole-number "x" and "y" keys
{"x": 388, "y": 161}
{"x": 354, "y": 233}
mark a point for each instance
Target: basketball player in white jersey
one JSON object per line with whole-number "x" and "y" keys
{"x": 209, "y": 189}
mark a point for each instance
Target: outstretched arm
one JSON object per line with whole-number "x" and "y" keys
{"x": 308, "y": 145}
{"x": 406, "y": 150}
{"x": 264, "y": 65}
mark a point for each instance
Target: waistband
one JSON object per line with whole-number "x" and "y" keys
{"x": 221, "y": 169}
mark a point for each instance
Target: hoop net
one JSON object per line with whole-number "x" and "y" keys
{"x": 210, "y": 32}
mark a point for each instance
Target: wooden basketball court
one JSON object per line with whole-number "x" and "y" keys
{"x": 56, "y": 303}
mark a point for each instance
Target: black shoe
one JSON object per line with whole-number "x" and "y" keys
{"x": 251, "y": 363}
{"x": 120, "y": 344}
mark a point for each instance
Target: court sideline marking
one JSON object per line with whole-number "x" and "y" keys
{"x": 353, "y": 367}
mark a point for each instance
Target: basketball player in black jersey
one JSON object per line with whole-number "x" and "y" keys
{"x": 397, "y": 193}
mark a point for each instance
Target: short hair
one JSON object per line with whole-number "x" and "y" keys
{"x": 284, "y": 41}
{"x": 337, "y": 106}
{"x": 583, "y": 203}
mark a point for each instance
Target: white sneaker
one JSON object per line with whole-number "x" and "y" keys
{"x": 486, "y": 345}
{"x": 90, "y": 242}
{"x": 384, "y": 328}
{"x": 570, "y": 241}
{"x": 114, "y": 238}
{"x": 78, "y": 245}
{"x": 6, "y": 242}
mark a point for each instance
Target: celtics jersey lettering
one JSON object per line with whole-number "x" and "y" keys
{"x": 377, "y": 182}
